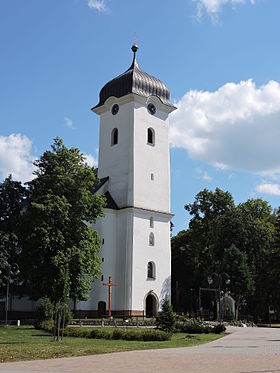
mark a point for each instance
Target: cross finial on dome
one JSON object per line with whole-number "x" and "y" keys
{"x": 134, "y": 49}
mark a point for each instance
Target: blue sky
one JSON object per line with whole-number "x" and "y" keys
{"x": 219, "y": 58}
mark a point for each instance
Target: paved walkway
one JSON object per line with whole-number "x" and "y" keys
{"x": 246, "y": 350}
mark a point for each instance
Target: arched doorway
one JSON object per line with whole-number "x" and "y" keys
{"x": 151, "y": 305}
{"x": 101, "y": 309}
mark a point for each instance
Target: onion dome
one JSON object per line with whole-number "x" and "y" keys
{"x": 134, "y": 80}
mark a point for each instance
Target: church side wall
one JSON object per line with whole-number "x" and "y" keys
{"x": 143, "y": 253}
{"x": 107, "y": 229}
{"x": 116, "y": 228}
{"x": 122, "y": 293}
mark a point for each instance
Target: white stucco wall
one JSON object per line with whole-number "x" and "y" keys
{"x": 117, "y": 161}
{"x": 151, "y": 159}
{"x": 143, "y": 253}
{"x": 116, "y": 228}
{"x": 129, "y": 165}
{"x": 107, "y": 229}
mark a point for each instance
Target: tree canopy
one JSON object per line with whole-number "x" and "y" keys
{"x": 60, "y": 247}
{"x": 12, "y": 197}
{"x": 241, "y": 240}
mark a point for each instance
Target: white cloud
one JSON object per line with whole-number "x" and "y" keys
{"x": 16, "y": 157}
{"x": 98, "y": 5}
{"x": 206, "y": 177}
{"x": 90, "y": 160}
{"x": 268, "y": 188}
{"x": 203, "y": 174}
{"x": 68, "y": 122}
{"x": 236, "y": 127}
{"x": 213, "y": 7}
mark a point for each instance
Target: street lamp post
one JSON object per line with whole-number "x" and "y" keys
{"x": 220, "y": 277}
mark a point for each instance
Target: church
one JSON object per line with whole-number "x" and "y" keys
{"x": 134, "y": 173}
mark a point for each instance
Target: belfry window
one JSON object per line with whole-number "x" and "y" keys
{"x": 151, "y": 136}
{"x": 151, "y": 270}
{"x": 151, "y": 222}
{"x": 114, "y": 136}
{"x": 151, "y": 239}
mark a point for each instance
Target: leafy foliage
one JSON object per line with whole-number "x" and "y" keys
{"x": 61, "y": 248}
{"x": 165, "y": 320}
{"x": 12, "y": 197}
{"x": 103, "y": 333}
{"x": 192, "y": 326}
{"x": 239, "y": 240}
{"x": 45, "y": 310}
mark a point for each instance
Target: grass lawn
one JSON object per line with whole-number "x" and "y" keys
{"x": 27, "y": 343}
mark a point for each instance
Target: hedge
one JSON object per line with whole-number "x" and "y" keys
{"x": 195, "y": 327}
{"x": 103, "y": 333}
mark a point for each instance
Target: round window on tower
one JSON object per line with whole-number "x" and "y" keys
{"x": 115, "y": 109}
{"x": 151, "y": 109}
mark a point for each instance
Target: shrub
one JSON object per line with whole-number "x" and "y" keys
{"x": 146, "y": 335}
{"x": 118, "y": 334}
{"x": 155, "y": 335}
{"x": 46, "y": 325}
{"x": 166, "y": 318}
{"x": 219, "y": 328}
{"x": 45, "y": 311}
{"x": 197, "y": 327}
{"x": 129, "y": 335}
{"x": 133, "y": 335}
{"x": 77, "y": 332}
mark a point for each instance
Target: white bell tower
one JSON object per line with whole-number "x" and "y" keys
{"x": 134, "y": 172}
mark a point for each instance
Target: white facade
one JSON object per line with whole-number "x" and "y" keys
{"x": 139, "y": 183}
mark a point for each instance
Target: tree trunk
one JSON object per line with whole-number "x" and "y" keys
{"x": 55, "y": 325}
{"x": 237, "y": 304}
{"x": 63, "y": 323}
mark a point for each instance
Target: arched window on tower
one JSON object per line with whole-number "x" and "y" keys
{"x": 114, "y": 136}
{"x": 151, "y": 136}
{"x": 151, "y": 239}
{"x": 151, "y": 270}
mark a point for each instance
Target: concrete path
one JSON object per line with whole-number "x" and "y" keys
{"x": 245, "y": 350}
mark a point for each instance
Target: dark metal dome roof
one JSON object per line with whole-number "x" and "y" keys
{"x": 134, "y": 80}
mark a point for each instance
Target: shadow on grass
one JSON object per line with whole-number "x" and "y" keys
{"x": 42, "y": 335}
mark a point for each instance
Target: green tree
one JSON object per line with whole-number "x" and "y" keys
{"x": 166, "y": 319}
{"x": 273, "y": 268}
{"x": 187, "y": 274}
{"x": 60, "y": 247}
{"x": 216, "y": 223}
{"x": 241, "y": 281}
{"x": 258, "y": 243}
{"x": 194, "y": 251}
{"x": 12, "y": 197}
